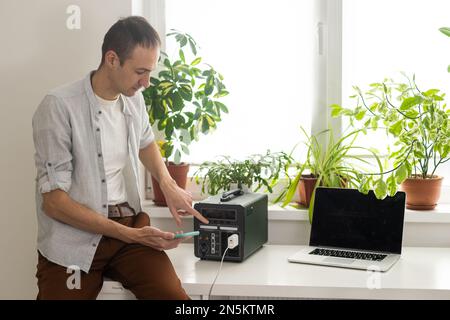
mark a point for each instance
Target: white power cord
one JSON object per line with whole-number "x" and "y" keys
{"x": 218, "y": 271}
{"x": 233, "y": 241}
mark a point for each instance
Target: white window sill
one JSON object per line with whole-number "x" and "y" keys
{"x": 439, "y": 215}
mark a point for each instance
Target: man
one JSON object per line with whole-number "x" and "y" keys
{"x": 88, "y": 137}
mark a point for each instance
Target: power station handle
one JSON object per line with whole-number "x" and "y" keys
{"x": 227, "y": 196}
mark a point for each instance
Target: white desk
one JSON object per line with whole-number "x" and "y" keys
{"x": 421, "y": 273}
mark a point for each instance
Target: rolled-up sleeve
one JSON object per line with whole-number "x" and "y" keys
{"x": 53, "y": 145}
{"x": 147, "y": 135}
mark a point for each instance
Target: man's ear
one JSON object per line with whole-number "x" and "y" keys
{"x": 111, "y": 59}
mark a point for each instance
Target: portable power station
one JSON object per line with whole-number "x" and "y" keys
{"x": 233, "y": 212}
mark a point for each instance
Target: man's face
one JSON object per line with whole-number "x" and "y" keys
{"x": 134, "y": 74}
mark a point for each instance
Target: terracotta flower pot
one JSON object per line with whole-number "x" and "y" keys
{"x": 422, "y": 194}
{"x": 306, "y": 188}
{"x": 179, "y": 173}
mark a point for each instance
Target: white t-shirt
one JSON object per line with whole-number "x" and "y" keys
{"x": 113, "y": 130}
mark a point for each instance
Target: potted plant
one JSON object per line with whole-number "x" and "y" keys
{"x": 183, "y": 103}
{"x": 419, "y": 122}
{"x": 332, "y": 164}
{"x": 226, "y": 173}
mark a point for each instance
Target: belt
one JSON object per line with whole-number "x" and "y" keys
{"x": 120, "y": 210}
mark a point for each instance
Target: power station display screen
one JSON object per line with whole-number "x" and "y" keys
{"x": 219, "y": 214}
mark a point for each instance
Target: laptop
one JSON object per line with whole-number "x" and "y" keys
{"x": 354, "y": 230}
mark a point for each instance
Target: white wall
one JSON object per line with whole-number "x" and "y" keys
{"x": 37, "y": 53}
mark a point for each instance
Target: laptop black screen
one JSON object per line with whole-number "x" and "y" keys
{"x": 346, "y": 218}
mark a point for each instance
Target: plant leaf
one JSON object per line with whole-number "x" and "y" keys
{"x": 411, "y": 102}
{"x": 186, "y": 92}
{"x": 204, "y": 124}
{"x": 431, "y": 92}
{"x": 177, "y": 158}
{"x": 391, "y": 185}
{"x": 380, "y": 189}
{"x": 193, "y": 47}
{"x": 185, "y": 149}
{"x": 181, "y": 53}
{"x": 196, "y": 61}
{"x": 396, "y": 128}
{"x": 209, "y": 85}
{"x": 445, "y": 31}
{"x": 221, "y": 106}
{"x": 336, "y": 110}
{"x": 401, "y": 174}
{"x": 360, "y": 115}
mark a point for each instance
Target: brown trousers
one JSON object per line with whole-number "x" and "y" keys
{"x": 146, "y": 272}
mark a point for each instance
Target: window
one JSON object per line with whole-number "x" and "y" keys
{"x": 267, "y": 52}
{"x": 264, "y": 51}
{"x": 383, "y": 37}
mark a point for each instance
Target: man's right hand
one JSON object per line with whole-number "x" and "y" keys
{"x": 156, "y": 238}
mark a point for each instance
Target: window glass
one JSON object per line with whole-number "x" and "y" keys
{"x": 264, "y": 51}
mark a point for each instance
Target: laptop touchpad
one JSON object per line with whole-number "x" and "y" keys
{"x": 338, "y": 260}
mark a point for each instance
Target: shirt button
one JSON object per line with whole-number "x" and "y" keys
{"x": 49, "y": 164}
{"x": 99, "y": 112}
{"x": 103, "y": 180}
{"x": 99, "y": 155}
{"x": 98, "y": 129}
{"x": 94, "y": 245}
{"x": 104, "y": 206}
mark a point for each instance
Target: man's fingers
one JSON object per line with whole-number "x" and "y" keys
{"x": 198, "y": 215}
{"x": 170, "y": 244}
{"x": 175, "y": 215}
{"x": 183, "y": 213}
{"x": 185, "y": 238}
{"x": 155, "y": 232}
{"x": 166, "y": 235}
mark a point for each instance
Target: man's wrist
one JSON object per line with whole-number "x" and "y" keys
{"x": 127, "y": 234}
{"x": 167, "y": 183}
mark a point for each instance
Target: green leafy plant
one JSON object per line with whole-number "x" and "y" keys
{"x": 335, "y": 164}
{"x": 260, "y": 169}
{"x": 417, "y": 120}
{"x": 446, "y": 31}
{"x": 183, "y": 100}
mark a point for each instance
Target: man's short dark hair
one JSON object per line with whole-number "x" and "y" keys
{"x": 126, "y": 34}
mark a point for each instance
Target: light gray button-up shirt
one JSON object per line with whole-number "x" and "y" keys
{"x": 68, "y": 156}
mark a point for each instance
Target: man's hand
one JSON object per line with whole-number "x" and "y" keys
{"x": 179, "y": 202}
{"x": 156, "y": 238}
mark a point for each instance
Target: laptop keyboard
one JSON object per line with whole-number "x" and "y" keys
{"x": 349, "y": 254}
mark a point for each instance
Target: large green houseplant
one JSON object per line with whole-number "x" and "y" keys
{"x": 332, "y": 164}
{"x": 419, "y": 123}
{"x": 183, "y": 99}
{"x": 183, "y": 102}
{"x": 255, "y": 172}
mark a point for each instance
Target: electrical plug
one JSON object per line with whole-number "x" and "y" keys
{"x": 233, "y": 241}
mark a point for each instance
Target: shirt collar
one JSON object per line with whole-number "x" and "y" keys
{"x": 93, "y": 102}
